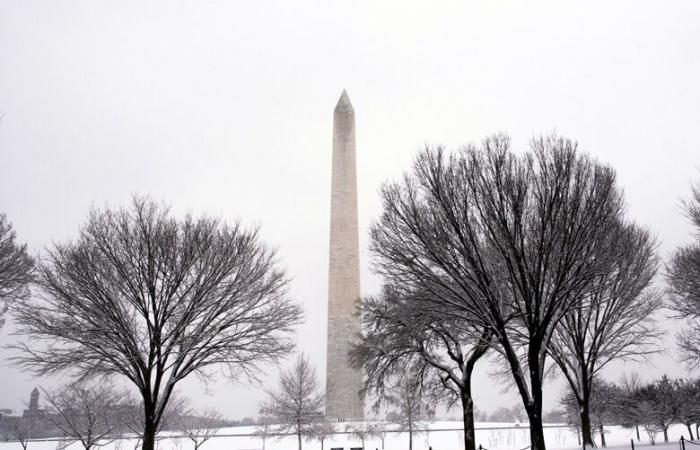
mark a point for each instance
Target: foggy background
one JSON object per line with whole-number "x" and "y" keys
{"x": 225, "y": 108}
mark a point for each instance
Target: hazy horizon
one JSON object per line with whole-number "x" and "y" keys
{"x": 226, "y": 109}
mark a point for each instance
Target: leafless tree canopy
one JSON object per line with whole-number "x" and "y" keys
{"x": 320, "y": 431}
{"x": 683, "y": 275}
{"x": 412, "y": 406}
{"x": 401, "y": 330}
{"x": 513, "y": 241}
{"x": 614, "y": 320}
{"x": 298, "y": 402}
{"x": 15, "y": 268}
{"x": 88, "y": 413}
{"x": 155, "y": 298}
{"x": 201, "y": 426}
{"x": 21, "y": 429}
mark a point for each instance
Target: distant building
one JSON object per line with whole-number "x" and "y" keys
{"x": 33, "y": 404}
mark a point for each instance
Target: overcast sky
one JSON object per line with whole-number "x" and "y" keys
{"x": 225, "y": 108}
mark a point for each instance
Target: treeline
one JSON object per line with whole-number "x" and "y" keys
{"x": 653, "y": 406}
{"x": 95, "y": 414}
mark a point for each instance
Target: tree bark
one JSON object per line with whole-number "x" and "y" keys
{"x": 149, "y": 430}
{"x": 534, "y": 407}
{"x": 665, "y": 434}
{"x": 586, "y": 429}
{"x": 536, "y": 431}
{"x": 602, "y": 436}
{"x": 299, "y": 439}
{"x": 468, "y": 417}
{"x": 410, "y": 437}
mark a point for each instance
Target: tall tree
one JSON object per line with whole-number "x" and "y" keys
{"x": 298, "y": 402}
{"x": 15, "y": 268}
{"x": 155, "y": 299}
{"x": 85, "y": 412}
{"x": 402, "y": 330}
{"x": 683, "y": 275}
{"x": 511, "y": 240}
{"x": 612, "y": 321}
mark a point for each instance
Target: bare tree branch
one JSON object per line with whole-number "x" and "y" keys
{"x": 155, "y": 299}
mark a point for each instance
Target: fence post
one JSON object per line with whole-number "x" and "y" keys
{"x": 632, "y": 442}
{"x": 682, "y": 443}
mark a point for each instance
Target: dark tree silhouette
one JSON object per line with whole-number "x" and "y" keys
{"x": 683, "y": 275}
{"x": 154, "y": 299}
{"x": 613, "y": 321}
{"x": 513, "y": 241}
{"x": 15, "y": 268}
{"x": 687, "y": 399}
{"x": 401, "y": 330}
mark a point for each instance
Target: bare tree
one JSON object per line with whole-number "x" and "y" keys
{"x": 84, "y": 412}
{"x": 513, "y": 241}
{"x": 402, "y": 330}
{"x": 360, "y": 430}
{"x": 298, "y": 402}
{"x": 412, "y": 408}
{"x": 658, "y": 408}
{"x": 687, "y": 400}
{"x": 132, "y": 419}
{"x": 21, "y": 429}
{"x": 683, "y": 275}
{"x": 320, "y": 431}
{"x": 155, "y": 299}
{"x": 199, "y": 427}
{"x": 15, "y": 268}
{"x": 613, "y": 321}
{"x": 264, "y": 428}
{"x": 380, "y": 430}
{"x": 627, "y": 413}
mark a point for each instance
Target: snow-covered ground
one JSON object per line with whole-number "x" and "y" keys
{"x": 442, "y": 436}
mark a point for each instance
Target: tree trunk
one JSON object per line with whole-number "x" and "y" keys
{"x": 468, "y": 417}
{"x": 690, "y": 430}
{"x": 602, "y": 436}
{"x": 536, "y": 431}
{"x": 665, "y": 434}
{"x": 149, "y": 430}
{"x": 534, "y": 409}
{"x": 410, "y": 437}
{"x": 299, "y": 439}
{"x": 586, "y": 429}
{"x": 637, "y": 428}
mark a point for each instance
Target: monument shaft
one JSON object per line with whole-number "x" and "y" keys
{"x": 343, "y": 383}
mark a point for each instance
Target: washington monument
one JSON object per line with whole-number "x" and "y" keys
{"x": 343, "y": 383}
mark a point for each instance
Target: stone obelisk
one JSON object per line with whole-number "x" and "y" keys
{"x": 343, "y": 383}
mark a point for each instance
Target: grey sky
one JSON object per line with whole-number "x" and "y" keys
{"x": 226, "y": 108}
